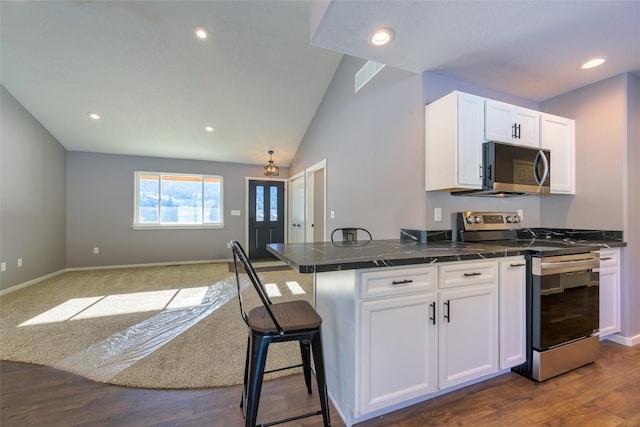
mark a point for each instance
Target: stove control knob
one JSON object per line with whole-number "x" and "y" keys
{"x": 469, "y": 220}
{"x": 510, "y": 219}
{"x": 516, "y": 219}
{"x": 477, "y": 219}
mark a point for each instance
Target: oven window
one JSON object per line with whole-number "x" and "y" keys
{"x": 566, "y": 308}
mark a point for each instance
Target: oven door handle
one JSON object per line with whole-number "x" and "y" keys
{"x": 568, "y": 266}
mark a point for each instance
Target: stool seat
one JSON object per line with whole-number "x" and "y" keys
{"x": 291, "y": 316}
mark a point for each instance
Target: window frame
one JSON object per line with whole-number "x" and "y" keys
{"x": 137, "y": 225}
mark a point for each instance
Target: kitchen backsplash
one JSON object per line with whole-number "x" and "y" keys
{"x": 525, "y": 233}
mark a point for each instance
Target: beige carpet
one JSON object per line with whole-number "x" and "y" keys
{"x": 156, "y": 327}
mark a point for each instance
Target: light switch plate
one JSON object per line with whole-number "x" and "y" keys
{"x": 437, "y": 214}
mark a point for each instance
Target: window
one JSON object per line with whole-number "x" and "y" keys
{"x": 172, "y": 200}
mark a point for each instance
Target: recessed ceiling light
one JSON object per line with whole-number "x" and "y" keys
{"x": 592, "y": 63}
{"x": 94, "y": 116}
{"x": 381, "y": 37}
{"x": 201, "y": 33}
{"x": 208, "y": 128}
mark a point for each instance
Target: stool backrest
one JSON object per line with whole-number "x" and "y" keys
{"x": 350, "y": 234}
{"x": 240, "y": 257}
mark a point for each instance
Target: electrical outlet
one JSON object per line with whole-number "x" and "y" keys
{"x": 19, "y": 262}
{"x": 333, "y": 214}
{"x": 3, "y": 266}
{"x": 229, "y": 245}
{"x": 521, "y": 214}
{"x": 437, "y": 214}
{"x": 96, "y": 251}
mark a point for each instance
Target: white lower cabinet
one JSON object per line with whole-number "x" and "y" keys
{"x": 398, "y": 350}
{"x": 468, "y": 343}
{"x": 609, "y": 291}
{"x": 397, "y": 335}
{"x": 513, "y": 337}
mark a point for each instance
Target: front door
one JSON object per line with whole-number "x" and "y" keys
{"x": 266, "y": 217}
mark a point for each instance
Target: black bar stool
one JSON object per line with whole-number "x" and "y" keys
{"x": 274, "y": 323}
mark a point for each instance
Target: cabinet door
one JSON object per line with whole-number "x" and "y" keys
{"x": 609, "y": 292}
{"x": 468, "y": 333}
{"x": 528, "y": 122}
{"x": 512, "y": 313}
{"x": 470, "y": 131}
{"x": 454, "y": 131}
{"x": 397, "y": 356}
{"x": 498, "y": 124}
{"x": 509, "y": 123}
{"x": 558, "y": 135}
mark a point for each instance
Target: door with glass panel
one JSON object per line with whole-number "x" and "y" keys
{"x": 266, "y": 216}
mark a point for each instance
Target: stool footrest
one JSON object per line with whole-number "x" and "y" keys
{"x": 286, "y": 420}
{"x": 284, "y": 369}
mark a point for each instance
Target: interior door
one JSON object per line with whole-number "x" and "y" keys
{"x": 297, "y": 218}
{"x": 266, "y": 217}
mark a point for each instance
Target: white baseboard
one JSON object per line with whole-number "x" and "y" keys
{"x": 32, "y": 282}
{"x": 628, "y": 341}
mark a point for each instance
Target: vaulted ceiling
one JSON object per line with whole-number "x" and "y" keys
{"x": 260, "y": 76}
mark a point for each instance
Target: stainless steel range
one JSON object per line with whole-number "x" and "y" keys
{"x": 562, "y": 293}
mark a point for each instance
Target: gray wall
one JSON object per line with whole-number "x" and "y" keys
{"x": 631, "y": 254}
{"x": 33, "y": 196}
{"x": 100, "y": 212}
{"x": 373, "y": 141}
{"x": 600, "y": 134}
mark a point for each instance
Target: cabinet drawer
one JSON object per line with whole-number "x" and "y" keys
{"x": 396, "y": 281}
{"x": 472, "y": 273}
{"x": 609, "y": 258}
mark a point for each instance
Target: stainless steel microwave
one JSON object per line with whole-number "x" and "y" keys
{"x": 513, "y": 170}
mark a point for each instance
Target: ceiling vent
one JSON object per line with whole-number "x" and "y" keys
{"x": 367, "y": 72}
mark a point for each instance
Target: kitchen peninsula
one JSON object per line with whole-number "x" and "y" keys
{"x": 405, "y": 321}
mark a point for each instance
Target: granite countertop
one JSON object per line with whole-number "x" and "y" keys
{"x": 328, "y": 256}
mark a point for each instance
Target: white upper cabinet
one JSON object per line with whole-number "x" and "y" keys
{"x": 454, "y": 136}
{"x": 459, "y": 123}
{"x": 558, "y": 135}
{"x": 509, "y": 123}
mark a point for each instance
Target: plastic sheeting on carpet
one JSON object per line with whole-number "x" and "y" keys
{"x": 105, "y": 359}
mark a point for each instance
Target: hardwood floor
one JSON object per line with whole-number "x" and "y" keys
{"x": 605, "y": 393}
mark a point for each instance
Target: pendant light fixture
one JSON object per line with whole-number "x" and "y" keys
{"x": 271, "y": 169}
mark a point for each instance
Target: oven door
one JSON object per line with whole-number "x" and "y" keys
{"x": 565, "y": 299}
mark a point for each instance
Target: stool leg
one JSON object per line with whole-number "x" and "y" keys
{"x": 316, "y": 345}
{"x": 306, "y": 363}
{"x": 259, "y": 348}
{"x": 246, "y": 375}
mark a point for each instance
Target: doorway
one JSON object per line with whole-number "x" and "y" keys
{"x": 266, "y": 217}
{"x": 316, "y": 201}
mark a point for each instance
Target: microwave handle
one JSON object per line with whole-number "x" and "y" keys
{"x": 540, "y": 180}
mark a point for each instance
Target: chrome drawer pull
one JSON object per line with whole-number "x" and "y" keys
{"x": 401, "y": 282}
{"x": 472, "y": 274}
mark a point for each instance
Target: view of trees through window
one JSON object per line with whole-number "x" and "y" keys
{"x": 168, "y": 199}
